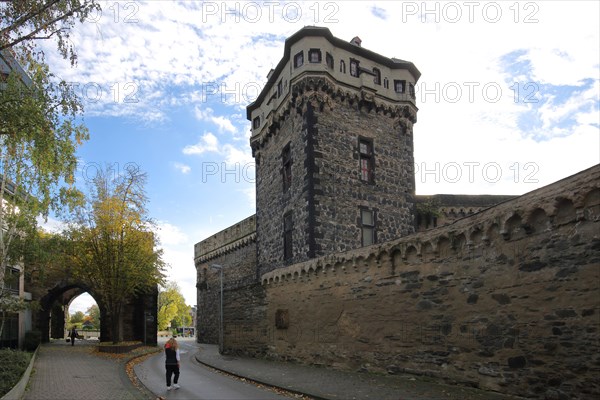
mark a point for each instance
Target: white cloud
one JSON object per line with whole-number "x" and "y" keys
{"x": 250, "y": 194}
{"x": 208, "y": 143}
{"x": 179, "y": 58}
{"x": 170, "y": 234}
{"x": 207, "y": 114}
{"x": 552, "y": 113}
{"x": 178, "y": 255}
{"x": 185, "y": 169}
{"x": 232, "y": 155}
{"x": 51, "y": 225}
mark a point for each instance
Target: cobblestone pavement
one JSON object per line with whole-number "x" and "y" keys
{"x": 65, "y": 372}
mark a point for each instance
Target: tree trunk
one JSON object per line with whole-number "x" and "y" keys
{"x": 117, "y": 325}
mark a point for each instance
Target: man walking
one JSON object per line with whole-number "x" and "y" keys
{"x": 73, "y": 335}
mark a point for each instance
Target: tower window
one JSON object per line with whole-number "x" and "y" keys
{"x": 377, "y": 78}
{"x": 342, "y": 66}
{"x": 279, "y": 89}
{"x": 411, "y": 90}
{"x": 329, "y": 60}
{"x": 365, "y": 147}
{"x": 386, "y": 83}
{"x": 399, "y": 86}
{"x": 256, "y": 122}
{"x": 299, "y": 59}
{"x": 286, "y": 159}
{"x": 367, "y": 226}
{"x": 354, "y": 67}
{"x": 314, "y": 55}
{"x": 288, "y": 227}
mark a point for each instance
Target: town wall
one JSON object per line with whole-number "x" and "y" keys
{"x": 507, "y": 299}
{"x": 234, "y": 249}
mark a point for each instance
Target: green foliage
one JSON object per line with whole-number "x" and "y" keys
{"x": 24, "y": 21}
{"x": 114, "y": 248}
{"x": 77, "y": 318}
{"x": 13, "y": 364}
{"x": 172, "y": 310}
{"x": 44, "y": 256}
{"x": 428, "y": 208}
{"x": 94, "y": 313}
{"x": 39, "y": 132}
{"x": 32, "y": 340}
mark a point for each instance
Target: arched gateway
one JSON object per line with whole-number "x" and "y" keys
{"x": 139, "y": 313}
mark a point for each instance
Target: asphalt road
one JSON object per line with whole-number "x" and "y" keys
{"x": 197, "y": 381}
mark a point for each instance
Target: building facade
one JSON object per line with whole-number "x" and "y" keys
{"x": 344, "y": 266}
{"x": 332, "y": 140}
{"x": 15, "y": 323}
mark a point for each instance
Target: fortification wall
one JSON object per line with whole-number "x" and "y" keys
{"x": 225, "y": 241}
{"x": 507, "y": 299}
{"x": 436, "y": 210}
{"x": 234, "y": 249}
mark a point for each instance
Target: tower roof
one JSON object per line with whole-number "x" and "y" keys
{"x": 308, "y": 31}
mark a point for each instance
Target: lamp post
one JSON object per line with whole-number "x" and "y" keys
{"x": 220, "y": 269}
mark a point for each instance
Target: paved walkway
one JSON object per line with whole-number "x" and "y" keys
{"x": 66, "y": 372}
{"x": 323, "y": 383}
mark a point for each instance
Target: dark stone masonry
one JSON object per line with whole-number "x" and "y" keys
{"x": 344, "y": 266}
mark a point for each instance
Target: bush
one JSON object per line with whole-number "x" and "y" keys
{"x": 32, "y": 340}
{"x": 13, "y": 364}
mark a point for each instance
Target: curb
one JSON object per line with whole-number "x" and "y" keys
{"x": 17, "y": 392}
{"x": 258, "y": 381}
{"x": 138, "y": 384}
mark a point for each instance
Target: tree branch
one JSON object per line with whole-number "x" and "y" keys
{"x": 31, "y": 35}
{"x": 26, "y": 17}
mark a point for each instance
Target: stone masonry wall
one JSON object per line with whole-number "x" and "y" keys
{"x": 239, "y": 271}
{"x": 507, "y": 299}
{"x": 340, "y": 193}
{"x": 322, "y": 125}
{"x": 247, "y": 329}
{"x": 234, "y": 249}
{"x": 441, "y": 209}
{"x": 272, "y": 202}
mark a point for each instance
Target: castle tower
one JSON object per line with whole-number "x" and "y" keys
{"x": 332, "y": 140}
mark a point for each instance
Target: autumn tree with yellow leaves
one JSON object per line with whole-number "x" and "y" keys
{"x": 172, "y": 310}
{"x": 114, "y": 245}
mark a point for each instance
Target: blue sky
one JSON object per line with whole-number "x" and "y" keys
{"x": 508, "y": 97}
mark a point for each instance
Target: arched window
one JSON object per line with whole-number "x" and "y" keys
{"x": 329, "y": 60}
{"x": 377, "y": 78}
{"x": 299, "y": 59}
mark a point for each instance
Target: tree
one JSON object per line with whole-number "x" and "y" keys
{"x": 94, "y": 313}
{"x": 23, "y": 22}
{"x": 77, "y": 317}
{"x": 39, "y": 134}
{"x": 38, "y": 143}
{"x": 45, "y": 256}
{"x": 183, "y": 317}
{"x": 115, "y": 249}
{"x": 172, "y": 310}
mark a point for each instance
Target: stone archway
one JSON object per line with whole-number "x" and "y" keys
{"x": 50, "y": 319}
{"x": 139, "y": 313}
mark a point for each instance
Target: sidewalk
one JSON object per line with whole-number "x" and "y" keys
{"x": 323, "y": 383}
{"x": 65, "y": 372}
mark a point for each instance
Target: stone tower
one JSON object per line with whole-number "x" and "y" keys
{"x": 332, "y": 140}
